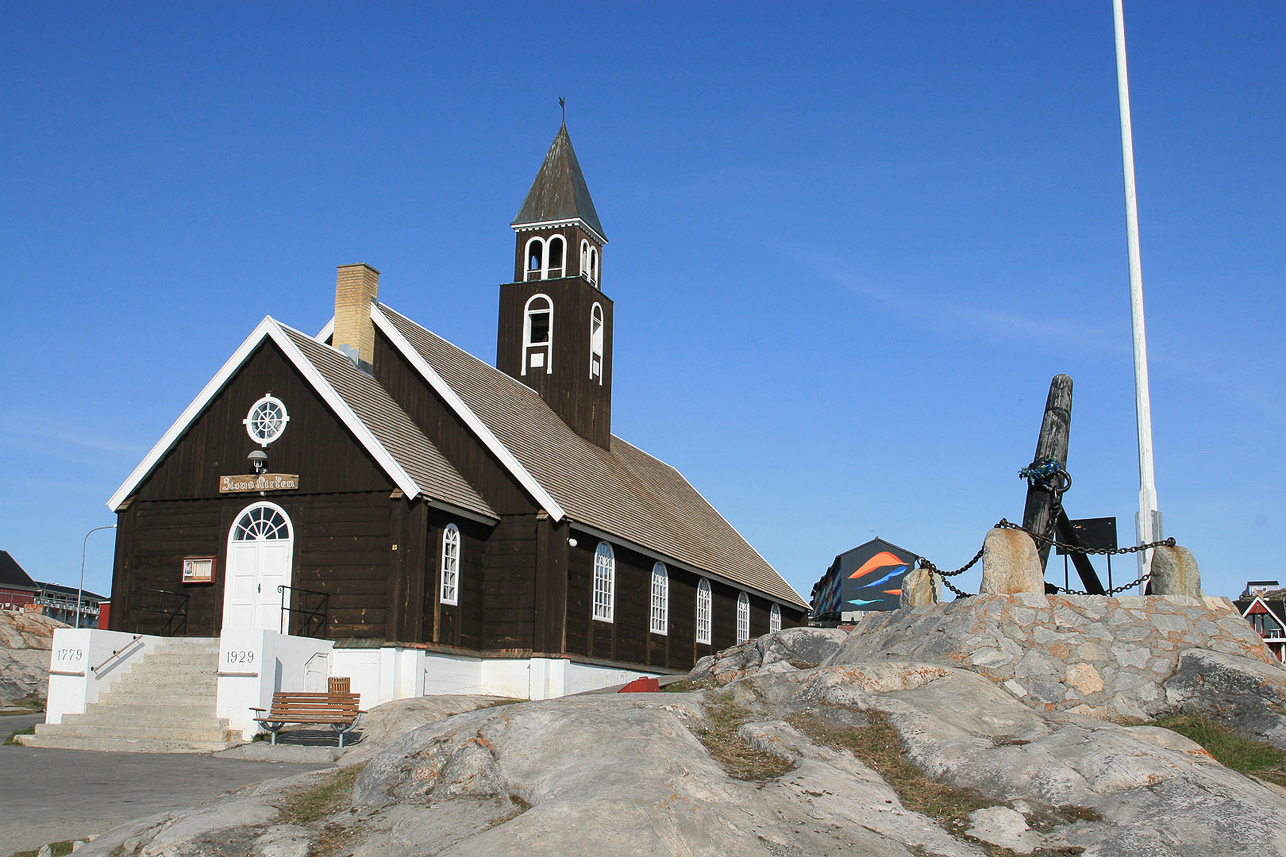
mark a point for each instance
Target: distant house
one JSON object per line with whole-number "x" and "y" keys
{"x": 61, "y": 602}
{"x": 866, "y": 578}
{"x": 17, "y": 589}
{"x": 1263, "y": 605}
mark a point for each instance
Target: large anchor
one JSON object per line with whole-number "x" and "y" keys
{"x": 1048, "y": 480}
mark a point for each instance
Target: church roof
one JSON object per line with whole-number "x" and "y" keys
{"x": 621, "y": 491}
{"x": 559, "y": 192}
{"x": 398, "y": 447}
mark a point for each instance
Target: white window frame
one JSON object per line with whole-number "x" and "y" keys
{"x": 660, "y": 613}
{"x": 253, "y": 424}
{"x": 545, "y": 350}
{"x": 705, "y": 611}
{"x": 596, "y": 336}
{"x": 449, "y": 591}
{"x": 593, "y": 264}
{"x": 604, "y": 595}
{"x": 549, "y": 256}
{"x": 529, "y": 273}
{"x": 743, "y": 617}
{"x": 774, "y": 619}
{"x": 584, "y": 259}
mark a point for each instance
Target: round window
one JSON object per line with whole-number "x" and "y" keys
{"x": 267, "y": 420}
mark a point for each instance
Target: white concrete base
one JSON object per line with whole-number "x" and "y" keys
{"x": 85, "y": 662}
{"x": 397, "y": 672}
{"x": 255, "y": 664}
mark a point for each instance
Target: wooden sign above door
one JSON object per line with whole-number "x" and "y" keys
{"x": 252, "y": 482}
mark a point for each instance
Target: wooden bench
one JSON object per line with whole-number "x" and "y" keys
{"x": 336, "y": 709}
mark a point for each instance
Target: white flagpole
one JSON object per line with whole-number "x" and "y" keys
{"x": 1148, "y": 521}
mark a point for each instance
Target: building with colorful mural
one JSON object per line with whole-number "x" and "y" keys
{"x": 866, "y": 578}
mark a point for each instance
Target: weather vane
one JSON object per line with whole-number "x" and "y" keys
{"x": 562, "y": 102}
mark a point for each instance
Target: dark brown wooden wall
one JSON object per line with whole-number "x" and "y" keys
{"x": 448, "y": 432}
{"x": 342, "y": 547}
{"x": 629, "y": 638}
{"x": 459, "y": 625}
{"x": 343, "y": 516}
{"x": 583, "y": 403}
{"x": 315, "y": 444}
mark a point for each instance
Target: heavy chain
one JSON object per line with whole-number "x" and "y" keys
{"x": 1048, "y": 539}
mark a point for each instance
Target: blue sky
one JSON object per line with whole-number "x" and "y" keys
{"x": 850, "y": 243}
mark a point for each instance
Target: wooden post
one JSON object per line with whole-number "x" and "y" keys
{"x": 1052, "y": 443}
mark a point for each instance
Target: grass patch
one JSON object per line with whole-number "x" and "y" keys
{"x": 60, "y": 849}
{"x": 30, "y": 730}
{"x": 718, "y": 732}
{"x": 686, "y": 686}
{"x": 32, "y": 703}
{"x": 1230, "y": 748}
{"x": 878, "y": 745}
{"x": 332, "y": 794}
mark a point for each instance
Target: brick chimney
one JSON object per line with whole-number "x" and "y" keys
{"x": 356, "y": 287}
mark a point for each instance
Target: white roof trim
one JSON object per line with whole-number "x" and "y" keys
{"x": 453, "y": 400}
{"x": 1259, "y": 599}
{"x": 326, "y": 332}
{"x": 616, "y": 539}
{"x": 566, "y": 221}
{"x": 271, "y": 329}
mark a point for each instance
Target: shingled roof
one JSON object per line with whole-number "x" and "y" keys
{"x": 622, "y": 491}
{"x": 423, "y": 462}
{"x": 559, "y": 192}
{"x": 12, "y": 575}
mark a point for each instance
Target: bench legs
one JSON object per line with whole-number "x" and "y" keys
{"x": 343, "y": 728}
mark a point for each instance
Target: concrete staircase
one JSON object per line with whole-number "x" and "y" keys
{"x": 164, "y": 704}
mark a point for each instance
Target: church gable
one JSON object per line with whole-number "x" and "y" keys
{"x": 313, "y": 445}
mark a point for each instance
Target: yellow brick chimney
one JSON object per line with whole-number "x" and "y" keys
{"x": 356, "y": 288}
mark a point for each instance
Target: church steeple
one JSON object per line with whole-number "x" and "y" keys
{"x": 555, "y": 323}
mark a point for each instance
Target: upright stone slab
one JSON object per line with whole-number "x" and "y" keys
{"x": 1010, "y": 564}
{"x": 920, "y": 588}
{"x": 1175, "y": 572}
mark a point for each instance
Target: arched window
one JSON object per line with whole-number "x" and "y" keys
{"x": 261, "y": 522}
{"x": 660, "y": 599}
{"x": 596, "y": 343}
{"x": 450, "y": 593}
{"x": 538, "y": 334}
{"x": 584, "y": 258}
{"x": 743, "y": 617}
{"x": 557, "y": 253}
{"x": 704, "y": 604}
{"x": 604, "y": 583}
{"x": 535, "y": 259}
{"x": 774, "y": 619}
{"x": 593, "y": 264}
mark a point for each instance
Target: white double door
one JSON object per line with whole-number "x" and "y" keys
{"x": 260, "y": 553}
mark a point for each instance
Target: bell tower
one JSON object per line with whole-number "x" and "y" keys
{"x": 555, "y": 331}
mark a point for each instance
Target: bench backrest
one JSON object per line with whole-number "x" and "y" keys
{"x": 296, "y": 703}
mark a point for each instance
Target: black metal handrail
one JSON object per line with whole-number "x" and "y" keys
{"x": 312, "y": 620}
{"x": 175, "y": 617}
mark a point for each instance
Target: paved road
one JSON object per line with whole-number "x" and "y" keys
{"x": 50, "y": 795}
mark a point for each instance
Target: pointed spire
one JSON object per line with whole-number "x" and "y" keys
{"x": 559, "y": 192}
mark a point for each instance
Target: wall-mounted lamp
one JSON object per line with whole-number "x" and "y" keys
{"x": 258, "y": 460}
{"x": 571, "y": 542}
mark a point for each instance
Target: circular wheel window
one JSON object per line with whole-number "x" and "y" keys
{"x": 267, "y": 420}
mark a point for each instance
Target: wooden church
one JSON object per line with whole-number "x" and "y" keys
{"x": 376, "y": 486}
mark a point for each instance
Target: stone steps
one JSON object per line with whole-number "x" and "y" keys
{"x": 125, "y": 745}
{"x": 164, "y": 703}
